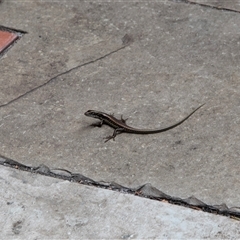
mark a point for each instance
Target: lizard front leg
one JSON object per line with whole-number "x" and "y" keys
{"x": 97, "y": 124}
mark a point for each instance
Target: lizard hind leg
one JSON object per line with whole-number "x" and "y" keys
{"x": 115, "y": 133}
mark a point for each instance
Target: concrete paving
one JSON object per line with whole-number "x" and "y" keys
{"x": 39, "y": 207}
{"x": 74, "y": 58}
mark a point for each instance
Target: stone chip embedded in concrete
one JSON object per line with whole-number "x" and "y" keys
{"x": 6, "y": 39}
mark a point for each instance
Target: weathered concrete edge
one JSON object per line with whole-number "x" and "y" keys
{"x": 145, "y": 190}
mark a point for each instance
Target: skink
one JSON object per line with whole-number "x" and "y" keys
{"x": 120, "y": 125}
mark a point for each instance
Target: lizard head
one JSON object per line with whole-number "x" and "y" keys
{"x": 93, "y": 114}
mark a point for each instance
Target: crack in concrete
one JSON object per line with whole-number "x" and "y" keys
{"x": 207, "y": 5}
{"x": 146, "y": 190}
{"x": 66, "y": 72}
{"x": 14, "y": 30}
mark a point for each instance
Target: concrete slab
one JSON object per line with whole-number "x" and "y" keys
{"x": 181, "y": 56}
{"x": 37, "y": 207}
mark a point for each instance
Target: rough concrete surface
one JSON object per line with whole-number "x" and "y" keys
{"x": 73, "y": 59}
{"x": 74, "y": 211}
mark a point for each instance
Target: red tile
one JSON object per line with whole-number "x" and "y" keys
{"x": 6, "y": 38}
